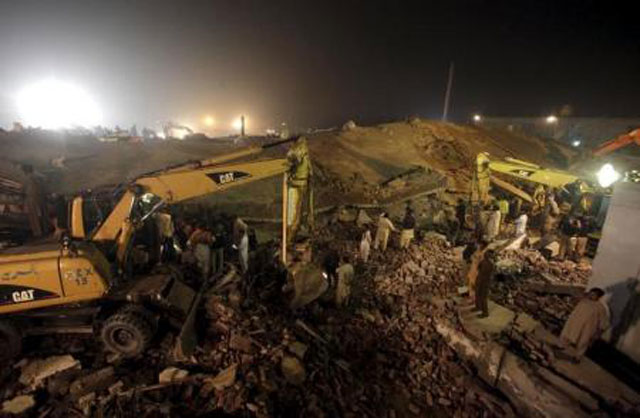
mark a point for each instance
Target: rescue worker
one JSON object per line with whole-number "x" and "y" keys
{"x": 200, "y": 241}
{"x": 345, "y": 277}
{"x": 550, "y": 212}
{"x": 568, "y": 230}
{"x": 493, "y": 223}
{"x": 166, "y": 230}
{"x": 330, "y": 265}
{"x": 582, "y": 236}
{"x": 365, "y": 246}
{"x": 521, "y": 224}
{"x": 243, "y": 252}
{"x": 588, "y": 320}
{"x": 217, "y": 248}
{"x": 239, "y": 228}
{"x": 486, "y": 271}
{"x": 385, "y": 226}
{"x": 539, "y": 198}
{"x": 503, "y": 206}
{"x": 475, "y": 254}
{"x": 408, "y": 225}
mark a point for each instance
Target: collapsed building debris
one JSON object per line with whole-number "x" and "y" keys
{"x": 394, "y": 352}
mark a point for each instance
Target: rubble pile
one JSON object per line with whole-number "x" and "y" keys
{"x": 546, "y": 290}
{"x": 380, "y": 357}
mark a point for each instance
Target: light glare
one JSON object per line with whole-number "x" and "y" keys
{"x": 607, "y": 175}
{"x": 53, "y": 104}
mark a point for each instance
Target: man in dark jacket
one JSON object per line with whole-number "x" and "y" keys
{"x": 486, "y": 271}
{"x": 408, "y": 226}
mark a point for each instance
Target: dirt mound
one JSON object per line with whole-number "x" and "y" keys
{"x": 358, "y": 165}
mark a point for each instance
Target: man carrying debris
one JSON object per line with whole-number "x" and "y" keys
{"x": 345, "y": 277}
{"x": 385, "y": 226}
{"x": 486, "y": 271}
{"x": 588, "y": 320}
{"x": 408, "y": 225}
{"x": 365, "y": 245}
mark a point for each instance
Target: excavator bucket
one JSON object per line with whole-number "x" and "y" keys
{"x": 187, "y": 338}
{"x": 309, "y": 282}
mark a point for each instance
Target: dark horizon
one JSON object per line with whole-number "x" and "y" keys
{"x": 321, "y": 64}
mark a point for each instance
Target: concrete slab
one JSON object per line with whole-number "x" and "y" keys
{"x": 499, "y": 319}
{"x": 586, "y": 374}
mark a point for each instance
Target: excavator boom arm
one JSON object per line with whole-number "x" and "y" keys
{"x": 180, "y": 185}
{"x": 617, "y": 143}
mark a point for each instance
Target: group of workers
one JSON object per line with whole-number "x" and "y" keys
{"x": 383, "y": 232}
{"x": 590, "y": 317}
{"x": 204, "y": 244}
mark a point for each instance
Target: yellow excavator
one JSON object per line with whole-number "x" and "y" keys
{"x": 85, "y": 283}
{"x": 518, "y": 169}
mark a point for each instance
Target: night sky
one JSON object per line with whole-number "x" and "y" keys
{"x": 318, "y": 64}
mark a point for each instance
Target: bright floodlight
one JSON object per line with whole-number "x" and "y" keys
{"x": 477, "y": 118}
{"x": 607, "y": 175}
{"x": 576, "y": 143}
{"x": 237, "y": 123}
{"x": 53, "y": 104}
{"x": 208, "y": 121}
{"x": 552, "y": 119}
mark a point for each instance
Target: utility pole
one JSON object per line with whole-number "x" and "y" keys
{"x": 242, "y": 126}
{"x": 447, "y": 94}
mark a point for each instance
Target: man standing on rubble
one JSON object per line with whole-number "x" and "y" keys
{"x": 569, "y": 228}
{"x": 365, "y": 246}
{"x": 582, "y": 238}
{"x": 345, "y": 277}
{"x": 521, "y": 224}
{"x": 200, "y": 241}
{"x": 239, "y": 228}
{"x": 588, "y": 320}
{"x": 486, "y": 271}
{"x": 243, "y": 251}
{"x": 551, "y": 210}
{"x": 473, "y": 255}
{"x": 385, "y": 226}
{"x": 408, "y": 225}
{"x": 217, "y": 248}
{"x": 503, "y": 206}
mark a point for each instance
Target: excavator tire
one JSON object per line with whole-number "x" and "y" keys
{"x": 126, "y": 333}
{"x": 143, "y": 313}
{"x": 10, "y": 341}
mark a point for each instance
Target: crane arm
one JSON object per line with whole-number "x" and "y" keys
{"x": 617, "y": 143}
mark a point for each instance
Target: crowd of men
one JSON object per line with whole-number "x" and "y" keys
{"x": 504, "y": 219}
{"x": 205, "y": 245}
